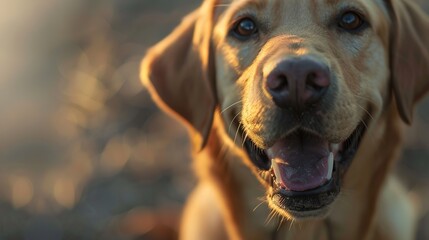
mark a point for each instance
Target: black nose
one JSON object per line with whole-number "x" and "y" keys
{"x": 298, "y": 82}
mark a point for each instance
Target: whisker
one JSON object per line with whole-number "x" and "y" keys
{"x": 269, "y": 217}
{"x": 257, "y": 206}
{"x": 299, "y": 225}
{"x": 280, "y": 223}
{"x": 244, "y": 140}
{"x": 230, "y": 106}
{"x": 222, "y": 5}
{"x": 291, "y": 223}
{"x": 232, "y": 121}
{"x": 273, "y": 215}
{"x": 365, "y": 125}
{"x": 365, "y": 98}
{"x": 263, "y": 199}
{"x": 363, "y": 122}
{"x": 236, "y": 132}
{"x": 369, "y": 114}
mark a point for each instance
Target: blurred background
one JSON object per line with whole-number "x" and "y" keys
{"x": 84, "y": 153}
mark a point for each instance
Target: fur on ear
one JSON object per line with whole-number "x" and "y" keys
{"x": 179, "y": 74}
{"x": 409, "y": 53}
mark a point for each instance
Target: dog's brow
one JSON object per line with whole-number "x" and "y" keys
{"x": 258, "y": 4}
{"x": 332, "y": 2}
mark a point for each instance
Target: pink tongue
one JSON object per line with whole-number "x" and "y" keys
{"x": 300, "y": 162}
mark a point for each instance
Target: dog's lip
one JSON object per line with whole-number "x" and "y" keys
{"x": 299, "y": 202}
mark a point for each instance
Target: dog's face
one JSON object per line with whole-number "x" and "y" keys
{"x": 307, "y": 77}
{"x": 297, "y": 84}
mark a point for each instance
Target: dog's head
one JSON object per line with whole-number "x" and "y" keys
{"x": 297, "y": 84}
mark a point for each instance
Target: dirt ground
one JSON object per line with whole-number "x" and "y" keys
{"x": 84, "y": 153}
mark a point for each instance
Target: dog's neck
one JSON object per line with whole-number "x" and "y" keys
{"x": 352, "y": 215}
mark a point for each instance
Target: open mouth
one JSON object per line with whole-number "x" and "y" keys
{"x": 303, "y": 170}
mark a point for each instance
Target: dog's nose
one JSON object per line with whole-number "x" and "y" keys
{"x": 298, "y": 82}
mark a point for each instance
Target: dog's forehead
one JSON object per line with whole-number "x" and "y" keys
{"x": 310, "y": 4}
{"x": 265, "y": 3}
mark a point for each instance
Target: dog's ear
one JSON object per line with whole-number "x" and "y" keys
{"x": 179, "y": 74}
{"x": 409, "y": 53}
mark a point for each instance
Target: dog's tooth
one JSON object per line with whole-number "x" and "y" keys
{"x": 330, "y": 166}
{"x": 276, "y": 169}
{"x": 334, "y": 147}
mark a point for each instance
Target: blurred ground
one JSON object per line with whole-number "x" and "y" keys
{"x": 84, "y": 153}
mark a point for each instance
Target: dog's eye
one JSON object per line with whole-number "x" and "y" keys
{"x": 350, "y": 21}
{"x": 245, "y": 28}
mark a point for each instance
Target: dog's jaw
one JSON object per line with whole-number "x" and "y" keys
{"x": 291, "y": 200}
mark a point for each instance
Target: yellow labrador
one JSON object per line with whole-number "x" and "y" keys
{"x": 295, "y": 109}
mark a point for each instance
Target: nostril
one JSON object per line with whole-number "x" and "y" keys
{"x": 311, "y": 83}
{"x": 278, "y": 83}
{"x": 317, "y": 81}
{"x": 282, "y": 82}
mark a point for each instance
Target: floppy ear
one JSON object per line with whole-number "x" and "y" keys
{"x": 179, "y": 74}
{"x": 409, "y": 52}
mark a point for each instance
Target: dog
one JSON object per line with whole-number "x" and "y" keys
{"x": 296, "y": 111}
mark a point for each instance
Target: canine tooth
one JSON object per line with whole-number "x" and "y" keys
{"x": 276, "y": 169}
{"x": 330, "y": 166}
{"x": 335, "y": 147}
